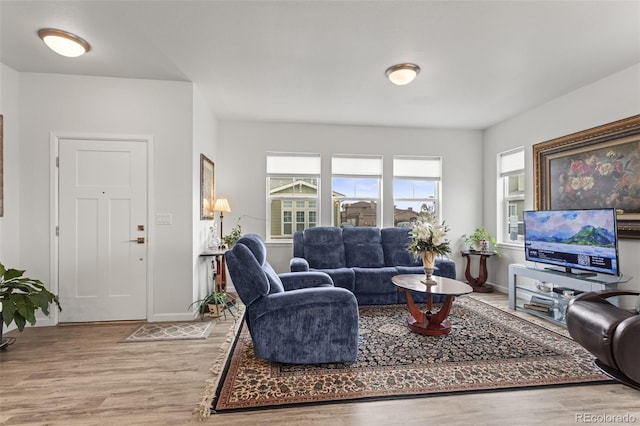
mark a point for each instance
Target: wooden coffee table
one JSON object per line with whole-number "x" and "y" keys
{"x": 427, "y": 322}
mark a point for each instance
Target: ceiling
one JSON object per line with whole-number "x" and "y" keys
{"x": 324, "y": 61}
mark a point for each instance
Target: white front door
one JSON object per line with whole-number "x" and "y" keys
{"x": 102, "y": 261}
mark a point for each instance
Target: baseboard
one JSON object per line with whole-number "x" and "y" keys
{"x": 499, "y": 288}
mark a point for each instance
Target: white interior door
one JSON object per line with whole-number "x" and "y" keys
{"x": 102, "y": 230}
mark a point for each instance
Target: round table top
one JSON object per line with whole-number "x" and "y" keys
{"x": 445, "y": 286}
{"x": 477, "y": 253}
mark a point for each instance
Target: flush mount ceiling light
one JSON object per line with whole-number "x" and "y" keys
{"x": 402, "y": 74}
{"x": 64, "y": 43}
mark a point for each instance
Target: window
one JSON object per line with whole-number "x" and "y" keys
{"x": 355, "y": 184}
{"x": 415, "y": 183}
{"x": 511, "y": 181}
{"x": 293, "y": 183}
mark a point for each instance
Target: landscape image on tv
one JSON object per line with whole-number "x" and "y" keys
{"x": 582, "y": 239}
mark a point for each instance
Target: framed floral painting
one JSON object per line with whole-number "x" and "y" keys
{"x": 595, "y": 168}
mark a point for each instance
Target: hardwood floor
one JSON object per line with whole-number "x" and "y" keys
{"x": 82, "y": 375}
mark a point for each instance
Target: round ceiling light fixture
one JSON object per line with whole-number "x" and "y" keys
{"x": 402, "y": 74}
{"x": 64, "y": 43}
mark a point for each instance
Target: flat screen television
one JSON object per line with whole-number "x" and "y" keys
{"x": 585, "y": 240}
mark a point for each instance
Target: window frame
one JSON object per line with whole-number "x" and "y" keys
{"x": 432, "y": 175}
{"x": 355, "y": 175}
{"x": 507, "y": 198}
{"x": 297, "y": 173}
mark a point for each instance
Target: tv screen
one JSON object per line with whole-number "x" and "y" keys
{"x": 574, "y": 239}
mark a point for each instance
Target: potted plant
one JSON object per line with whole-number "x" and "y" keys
{"x": 476, "y": 238}
{"x": 215, "y": 303}
{"x": 21, "y": 297}
{"x": 230, "y": 239}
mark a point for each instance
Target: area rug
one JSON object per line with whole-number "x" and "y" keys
{"x": 151, "y": 332}
{"x": 488, "y": 350}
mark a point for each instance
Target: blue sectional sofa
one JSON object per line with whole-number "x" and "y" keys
{"x": 363, "y": 260}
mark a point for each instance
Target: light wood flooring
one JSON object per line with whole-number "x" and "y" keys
{"x": 82, "y": 375}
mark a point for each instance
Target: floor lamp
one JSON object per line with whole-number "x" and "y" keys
{"x": 221, "y": 205}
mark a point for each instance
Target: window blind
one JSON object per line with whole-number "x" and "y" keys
{"x": 293, "y": 164}
{"x": 512, "y": 163}
{"x": 417, "y": 167}
{"x": 356, "y": 166}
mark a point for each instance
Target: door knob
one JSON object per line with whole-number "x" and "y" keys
{"x": 139, "y": 240}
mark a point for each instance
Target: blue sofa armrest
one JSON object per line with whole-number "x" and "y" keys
{"x": 298, "y": 280}
{"x": 298, "y": 264}
{"x": 446, "y": 268}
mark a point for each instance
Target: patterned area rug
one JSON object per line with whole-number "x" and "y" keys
{"x": 151, "y": 332}
{"x": 488, "y": 349}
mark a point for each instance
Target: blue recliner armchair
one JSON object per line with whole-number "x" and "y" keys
{"x": 295, "y": 317}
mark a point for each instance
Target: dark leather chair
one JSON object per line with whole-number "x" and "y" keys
{"x": 610, "y": 333}
{"x": 295, "y": 317}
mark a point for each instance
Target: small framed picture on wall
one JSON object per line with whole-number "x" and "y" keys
{"x": 207, "y": 189}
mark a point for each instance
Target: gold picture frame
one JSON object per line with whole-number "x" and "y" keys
{"x": 594, "y": 168}
{"x": 207, "y": 188}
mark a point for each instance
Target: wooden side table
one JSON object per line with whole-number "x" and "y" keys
{"x": 218, "y": 263}
{"x": 478, "y": 283}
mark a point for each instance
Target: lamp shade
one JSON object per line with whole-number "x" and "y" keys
{"x": 64, "y": 43}
{"x": 221, "y": 205}
{"x": 402, "y": 74}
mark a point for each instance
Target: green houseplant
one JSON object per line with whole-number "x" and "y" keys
{"x": 21, "y": 297}
{"x": 215, "y": 303}
{"x": 232, "y": 237}
{"x": 475, "y": 239}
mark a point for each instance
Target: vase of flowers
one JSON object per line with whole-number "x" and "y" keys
{"x": 429, "y": 240}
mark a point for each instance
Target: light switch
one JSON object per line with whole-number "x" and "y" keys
{"x": 164, "y": 219}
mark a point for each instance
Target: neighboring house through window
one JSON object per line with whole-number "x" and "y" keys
{"x": 511, "y": 180}
{"x": 415, "y": 183}
{"x": 356, "y": 183}
{"x": 293, "y": 183}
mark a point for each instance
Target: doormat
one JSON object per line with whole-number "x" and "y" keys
{"x": 151, "y": 332}
{"x": 488, "y": 350}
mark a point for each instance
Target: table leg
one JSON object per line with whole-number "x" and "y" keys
{"x": 428, "y": 323}
{"x": 477, "y": 283}
{"x": 221, "y": 274}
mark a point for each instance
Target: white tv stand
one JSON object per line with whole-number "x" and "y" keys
{"x": 520, "y": 292}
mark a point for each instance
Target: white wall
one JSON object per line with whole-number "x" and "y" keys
{"x": 204, "y": 142}
{"x": 240, "y": 170}
{"x": 97, "y": 105}
{"x": 607, "y": 100}
{"x": 10, "y": 222}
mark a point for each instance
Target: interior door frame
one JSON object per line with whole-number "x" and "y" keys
{"x": 54, "y": 152}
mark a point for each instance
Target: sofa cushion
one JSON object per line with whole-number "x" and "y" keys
{"x": 403, "y": 270}
{"x": 298, "y": 244}
{"x": 256, "y": 245}
{"x": 323, "y": 247}
{"x": 394, "y": 244}
{"x": 275, "y": 282}
{"x": 362, "y": 247}
{"x": 342, "y": 277}
{"x": 374, "y": 280}
{"x": 244, "y": 267}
